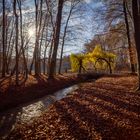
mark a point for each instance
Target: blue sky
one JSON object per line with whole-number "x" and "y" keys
{"x": 88, "y": 26}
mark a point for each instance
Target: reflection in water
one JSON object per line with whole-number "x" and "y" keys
{"x": 26, "y": 113}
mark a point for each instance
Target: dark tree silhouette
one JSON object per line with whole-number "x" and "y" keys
{"x": 56, "y": 39}
{"x": 3, "y": 40}
{"x": 128, "y": 36}
{"x": 136, "y": 18}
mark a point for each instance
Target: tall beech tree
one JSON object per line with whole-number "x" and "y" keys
{"x": 136, "y": 18}
{"x": 56, "y": 39}
{"x": 19, "y": 2}
{"x": 132, "y": 67}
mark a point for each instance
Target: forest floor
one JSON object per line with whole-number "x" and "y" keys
{"x": 35, "y": 87}
{"x": 107, "y": 108}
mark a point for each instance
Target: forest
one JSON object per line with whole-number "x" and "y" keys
{"x": 70, "y": 69}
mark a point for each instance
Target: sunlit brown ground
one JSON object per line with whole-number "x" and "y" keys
{"x": 105, "y": 109}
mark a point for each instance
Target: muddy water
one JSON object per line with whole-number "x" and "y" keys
{"x": 27, "y": 112}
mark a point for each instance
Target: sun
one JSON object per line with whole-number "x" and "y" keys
{"x": 31, "y": 32}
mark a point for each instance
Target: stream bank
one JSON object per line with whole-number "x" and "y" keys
{"x": 107, "y": 108}
{"x": 27, "y": 112}
{"x": 37, "y": 87}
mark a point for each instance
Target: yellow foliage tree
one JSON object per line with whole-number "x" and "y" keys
{"x": 100, "y": 59}
{"x": 78, "y": 62}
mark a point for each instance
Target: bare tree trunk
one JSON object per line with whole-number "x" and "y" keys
{"x": 16, "y": 44}
{"x": 31, "y": 66}
{"x": 6, "y": 40}
{"x": 128, "y": 37}
{"x": 56, "y": 39}
{"x": 37, "y": 41}
{"x": 9, "y": 48}
{"x": 136, "y": 18}
{"x": 3, "y": 41}
{"x": 80, "y": 66}
{"x": 10, "y": 54}
{"x": 63, "y": 39}
{"x": 44, "y": 62}
{"x": 22, "y": 43}
{"x": 50, "y": 55}
{"x": 46, "y": 46}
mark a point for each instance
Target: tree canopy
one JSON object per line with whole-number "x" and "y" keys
{"x": 100, "y": 60}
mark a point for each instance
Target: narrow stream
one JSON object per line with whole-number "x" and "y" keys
{"x": 29, "y": 111}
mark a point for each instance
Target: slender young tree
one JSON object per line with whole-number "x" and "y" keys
{"x": 73, "y": 4}
{"x": 37, "y": 39}
{"x": 3, "y": 40}
{"x": 16, "y": 42}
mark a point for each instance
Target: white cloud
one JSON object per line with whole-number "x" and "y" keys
{"x": 87, "y": 1}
